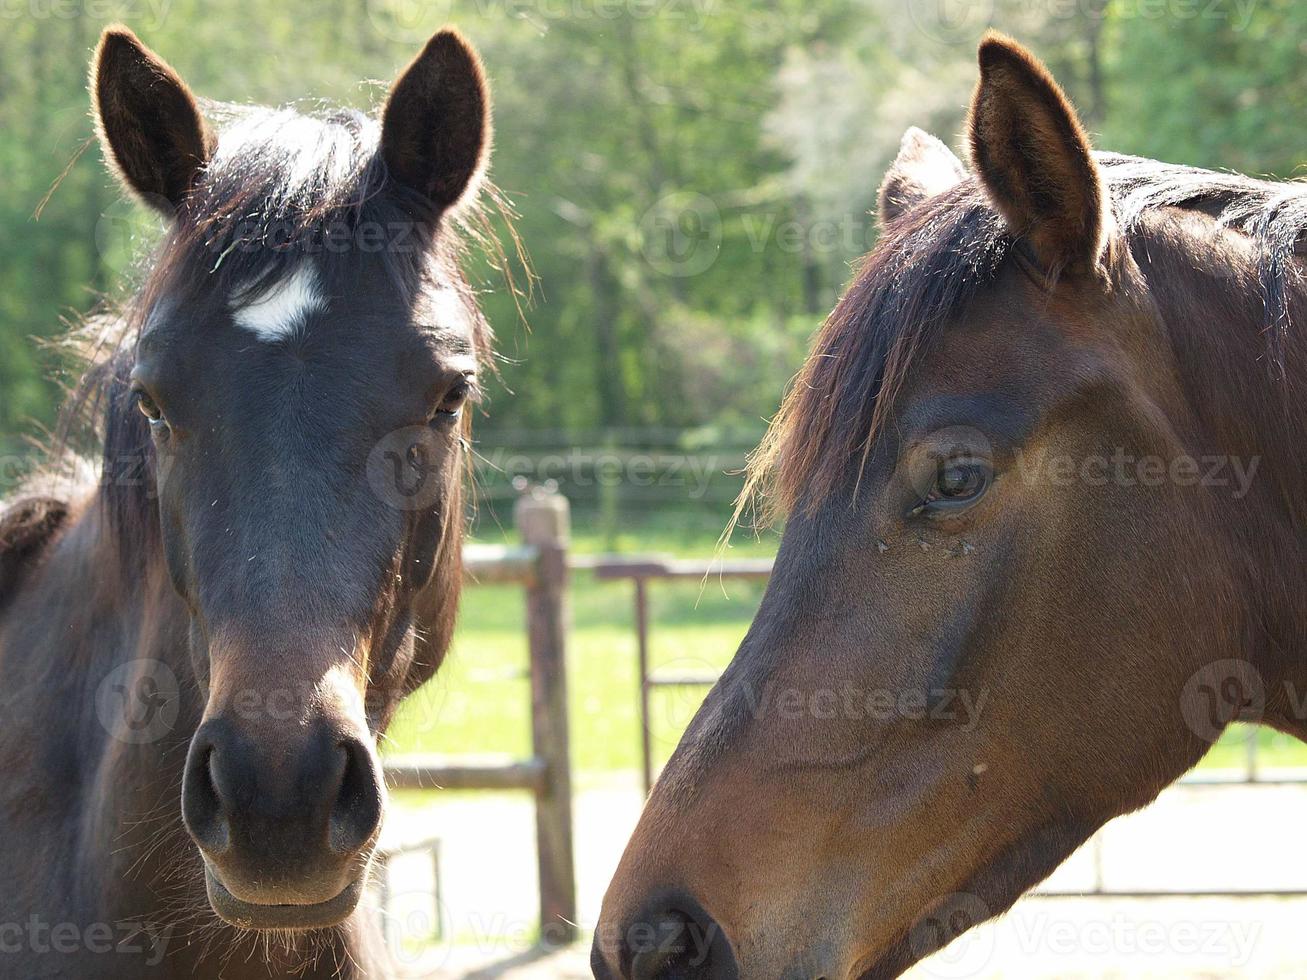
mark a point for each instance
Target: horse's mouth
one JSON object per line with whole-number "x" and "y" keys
{"x": 251, "y": 915}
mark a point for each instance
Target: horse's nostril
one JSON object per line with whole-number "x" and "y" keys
{"x": 202, "y": 808}
{"x": 356, "y": 813}
{"x": 677, "y": 945}
{"x": 662, "y": 951}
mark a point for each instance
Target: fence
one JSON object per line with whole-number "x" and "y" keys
{"x": 640, "y": 571}
{"x": 540, "y": 565}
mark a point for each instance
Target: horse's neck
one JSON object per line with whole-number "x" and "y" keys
{"x": 1252, "y": 422}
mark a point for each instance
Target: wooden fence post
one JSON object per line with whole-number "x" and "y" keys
{"x": 543, "y": 519}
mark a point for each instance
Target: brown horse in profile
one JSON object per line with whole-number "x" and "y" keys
{"x": 199, "y": 651}
{"x": 1046, "y": 538}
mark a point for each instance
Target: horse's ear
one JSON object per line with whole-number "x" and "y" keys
{"x": 435, "y": 130}
{"x": 149, "y": 124}
{"x": 1036, "y": 163}
{"x": 924, "y": 167}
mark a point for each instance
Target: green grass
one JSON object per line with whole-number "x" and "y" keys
{"x": 1275, "y": 750}
{"x": 479, "y": 703}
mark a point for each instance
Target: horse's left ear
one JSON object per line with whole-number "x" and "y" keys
{"x": 924, "y": 167}
{"x": 435, "y": 129}
{"x": 1035, "y": 160}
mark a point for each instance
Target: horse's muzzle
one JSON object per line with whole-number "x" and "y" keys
{"x": 286, "y": 825}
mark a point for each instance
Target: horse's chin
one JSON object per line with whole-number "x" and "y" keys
{"x": 255, "y": 916}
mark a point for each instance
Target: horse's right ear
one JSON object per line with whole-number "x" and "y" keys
{"x": 1035, "y": 160}
{"x": 435, "y": 129}
{"x": 149, "y": 124}
{"x": 924, "y": 167}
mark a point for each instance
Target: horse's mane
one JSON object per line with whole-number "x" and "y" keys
{"x": 932, "y": 261}
{"x": 279, "y": 181}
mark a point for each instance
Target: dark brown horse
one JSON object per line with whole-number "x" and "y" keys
{"x": 199, "y": 651}
{"x": 1047, "y": 536}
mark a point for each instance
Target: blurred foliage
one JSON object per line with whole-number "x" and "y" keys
{"x": 692, "y": 176}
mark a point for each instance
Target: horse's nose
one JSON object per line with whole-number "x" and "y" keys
{"x": 678, "y": 941}
{"x": 281, "y": 818}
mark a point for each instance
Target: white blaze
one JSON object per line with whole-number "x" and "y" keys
{"x": 278, "y": 311}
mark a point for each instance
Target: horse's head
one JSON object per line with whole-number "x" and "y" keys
{"x": 1003, "y": 579}
{"x": 307, "y": 350}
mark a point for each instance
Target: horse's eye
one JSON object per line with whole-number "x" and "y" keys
{"x": 453, "y": 401}
{"x": 148, "y": 406}
{"x": 958, "y": 482}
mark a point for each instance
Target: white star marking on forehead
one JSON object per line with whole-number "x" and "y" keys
{"x": 278, "y": 311}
